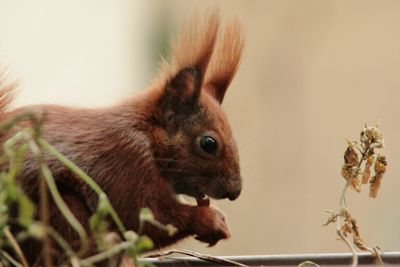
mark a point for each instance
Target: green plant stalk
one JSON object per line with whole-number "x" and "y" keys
{"x": 16, "y": 247}
{"x": 55, "y": 235}
{"x": 37, "y": 145}
{"x": 86, "y": 178}
{"x": 44, "y": 204}
{"x": 61, "y": 241}
{"x": 7, "y": 125}
{"x": 10, "y": 259}
{"x": 31, "y": 135}
{"x": 44, "y": 217}
{"x": 106, "y": 254}
{"x": 15, "y": 161}
{"x": 63, "y": 207}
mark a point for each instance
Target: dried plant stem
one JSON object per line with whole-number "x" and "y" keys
{"x": 16, "y": 247}
{"x": 342, "y": 206}
{"x": 10, "y": 259}
{"x": 208, "y": 258}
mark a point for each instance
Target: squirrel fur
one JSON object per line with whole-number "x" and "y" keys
{"x": 148, "y": 148}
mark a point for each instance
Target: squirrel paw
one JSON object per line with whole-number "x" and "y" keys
{"x": 211, "y": 226}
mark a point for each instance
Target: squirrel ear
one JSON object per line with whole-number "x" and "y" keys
{"x": 183, "y": 91}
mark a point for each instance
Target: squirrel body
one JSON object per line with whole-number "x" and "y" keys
{"x": 172, "y": 138}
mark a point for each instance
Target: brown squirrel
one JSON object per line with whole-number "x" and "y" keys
{"x": 173, "y": 138}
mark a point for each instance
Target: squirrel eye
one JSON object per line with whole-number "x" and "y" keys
{"x": 208, "y": 145}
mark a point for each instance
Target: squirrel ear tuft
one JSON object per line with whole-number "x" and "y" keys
{"x": 225, "y": 60}
{"x": 192, "y": 47}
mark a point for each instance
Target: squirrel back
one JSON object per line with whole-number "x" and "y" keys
{"x": 173, "y": 138}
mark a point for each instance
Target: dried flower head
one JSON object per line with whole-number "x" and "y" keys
{"x": 371, "y": 137}
{"x": 367, "y": 170}
{"x": 366, "y": 152}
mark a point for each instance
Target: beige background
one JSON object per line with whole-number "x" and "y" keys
{"x": 312, "y": 73}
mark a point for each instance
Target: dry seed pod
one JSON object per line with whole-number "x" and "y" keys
{"x": 351, "y": 156}
{"x": 360, "y": 244}
{"x": 380, "y": 165}
{"x": 380, "y": 169}
{"x": 355, "y": 183}
{"x": 367, "y": 170}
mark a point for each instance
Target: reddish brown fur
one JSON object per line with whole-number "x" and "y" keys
{"x": 6, "y": 93}
{"x": 145, "y": 149}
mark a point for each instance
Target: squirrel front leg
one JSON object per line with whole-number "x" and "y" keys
{"x": 206, "y": 223}
{"x": 209, "y": 225}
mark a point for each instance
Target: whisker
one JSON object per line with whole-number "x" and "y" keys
{"x": 177, "y": 170}
{"x": 254, "y": 141}
{"x": 165, "y": 159}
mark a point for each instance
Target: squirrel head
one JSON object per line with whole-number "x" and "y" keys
{"x": 193, "y": 144}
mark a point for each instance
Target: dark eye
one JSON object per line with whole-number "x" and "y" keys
{"x": 209, "y": 145}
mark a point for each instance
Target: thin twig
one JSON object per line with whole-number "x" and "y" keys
{"x": 342, "y": 205}
{"x": 197, "y": 255}
{"x": 377, "y": 253}
{"x": 348, "y": 243}
{"x": 10, "y": 259}
{"x": 16, "y": 246}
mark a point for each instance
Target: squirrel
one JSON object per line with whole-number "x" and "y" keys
{"x": 173, "y": 138}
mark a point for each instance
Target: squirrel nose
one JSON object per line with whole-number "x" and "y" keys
{"x": 232, "y": 195}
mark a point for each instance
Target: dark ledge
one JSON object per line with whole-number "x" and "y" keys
{"x": 281, "y": 260}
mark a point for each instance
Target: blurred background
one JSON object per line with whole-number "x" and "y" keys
{"x": 313, "y": 72}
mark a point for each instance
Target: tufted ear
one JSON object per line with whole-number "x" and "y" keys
{"x": 183, "y": 91}
{"x": 182, "y": 76}
{"x": 224, "y": 61}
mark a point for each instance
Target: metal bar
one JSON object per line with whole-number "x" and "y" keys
{"x": 281, "y": 260}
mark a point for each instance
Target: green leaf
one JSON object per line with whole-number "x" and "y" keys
{"x": 130, "y": 236}
{"x": 144, "y": 243}
{"x": 98, "y": 223}
{"x": 26, "y": 210}
{"x": 146, "y": 215}
{"x": 171, "y": 229}
{"x": 37, "y": 230}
